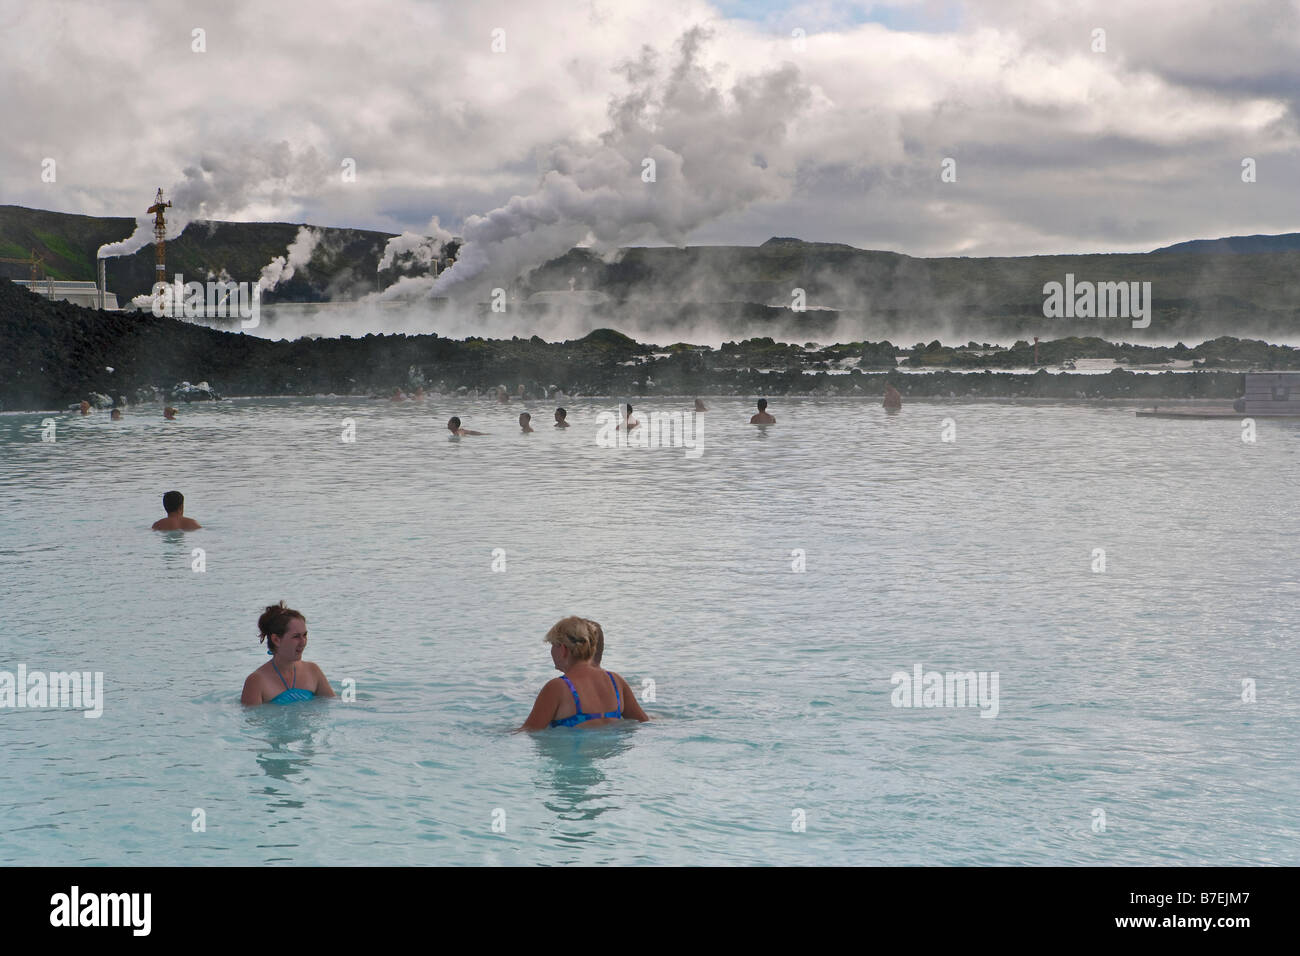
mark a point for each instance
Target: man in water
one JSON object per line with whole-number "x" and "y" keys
{"x": 560, "y": 416}
{"x": 453, "y": 426}
{"x": 169, "y": 413}
{"x": 85, "y": 407}
{"x": 762, "y": 418}
{"x": 174, "y": 505}
{"x": 115, "y": 414}
{"x": 892, "y": 398}
{"x": 700, "y": 406}
{"x": 524, "y": 419}
{"x": 628, "y": 420}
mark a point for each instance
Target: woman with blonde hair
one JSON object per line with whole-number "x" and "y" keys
{"x": 599, "y": 636}
{"x": 576, "y": 647}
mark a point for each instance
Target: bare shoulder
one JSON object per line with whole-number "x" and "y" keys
{"x": 555, "y": 687}
{"x": 621, "y": 682}
{"x": 252, "y": 688}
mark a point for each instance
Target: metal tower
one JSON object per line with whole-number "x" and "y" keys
{"x": 159, "y": 237}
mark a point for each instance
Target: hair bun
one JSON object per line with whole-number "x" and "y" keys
{"x": 275, "y": 619}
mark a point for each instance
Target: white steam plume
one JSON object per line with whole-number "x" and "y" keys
{"x": 281, "y": 268}
{"x": 227, "y": 183}
{"x": 708, "y": 150}
{"x": 424, "y": 246}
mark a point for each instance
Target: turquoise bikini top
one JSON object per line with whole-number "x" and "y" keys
{"x": 290, "y": 695}
{"x": 580, "y": 717}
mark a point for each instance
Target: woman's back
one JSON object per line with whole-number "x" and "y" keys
{"x": 590, "y": 697}
{"x": 585, "y": 695}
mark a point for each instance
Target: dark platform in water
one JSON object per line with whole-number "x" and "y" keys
{"x": 1264, "y": 395}
{"x": 1226, "y": 411}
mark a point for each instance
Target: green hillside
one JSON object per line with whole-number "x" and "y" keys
{"x": 1199, "y": 290}
{"x": 343, "y": 263}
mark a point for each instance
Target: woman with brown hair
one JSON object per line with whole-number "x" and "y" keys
{"x": 576, "y": 646}
{"x": 286, "y": 677}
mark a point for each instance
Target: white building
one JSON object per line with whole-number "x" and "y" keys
{"x": 78, "y": 293}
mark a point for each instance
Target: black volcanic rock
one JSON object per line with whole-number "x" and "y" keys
{"x": 54, "y": 353}
{"x": 878, "y": 355}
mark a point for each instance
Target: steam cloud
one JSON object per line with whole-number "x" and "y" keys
{"x": 281, "y": 268}
{"x": 225, "y": 184}
{"x": 423, "y": 246}
{"x": 703, "y": 146}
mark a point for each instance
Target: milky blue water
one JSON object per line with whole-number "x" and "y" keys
{"x": 776, "y": 738}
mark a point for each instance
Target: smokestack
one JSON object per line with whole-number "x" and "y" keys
{"x": 101, "y": 284}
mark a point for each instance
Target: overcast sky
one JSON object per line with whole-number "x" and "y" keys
{"x": 836, "y": 134}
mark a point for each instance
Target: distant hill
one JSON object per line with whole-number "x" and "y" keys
{"x": 343, "y": 264}
{"x": 1238, "y": 245}
{"x": 66, "y": 243}
{"x": 878, "y": 294}
{"x": 1240, "y": 286}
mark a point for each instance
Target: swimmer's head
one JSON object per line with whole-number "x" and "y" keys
{"x": 453, "y": 423}
{"x": 173, "y": 502}
{"x": 275, "y": 620}
{"x": 629, "y": 409}
{"x": 560, "y": 414}
{"x": 115, "y": 414}
{"x": 577, "y": 636}
{"x": 762, "y": 404}
{"x": 524, "y": 419}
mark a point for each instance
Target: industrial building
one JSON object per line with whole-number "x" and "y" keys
{"x": 78, "y": 293}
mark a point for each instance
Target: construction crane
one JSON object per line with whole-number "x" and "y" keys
{"x": 35, "y": 261}
{"x": 159, "y": 237}
{"x": 37, "y": 265}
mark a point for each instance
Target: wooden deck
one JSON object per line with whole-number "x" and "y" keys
{"x": 1264, "y": 395}
{"x": 1226, "y": 411}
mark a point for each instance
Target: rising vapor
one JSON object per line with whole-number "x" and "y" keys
{"x": 423, "y": 247}
{"x": 225, "y": 184}
{"x": 707, "y": 152}
{"x": 281, "y": 268}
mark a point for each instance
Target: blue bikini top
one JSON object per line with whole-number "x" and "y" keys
{"x": 290, "y": 695}
{"x": 580, "y": 717}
